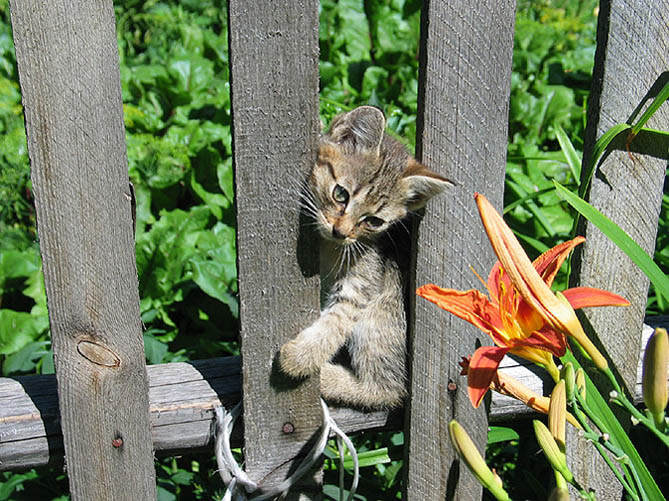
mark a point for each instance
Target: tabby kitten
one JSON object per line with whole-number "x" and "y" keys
{"x": 362, "y": 187}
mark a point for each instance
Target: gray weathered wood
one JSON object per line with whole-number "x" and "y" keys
{"x": 69, "y": 72}
{"x": 632, "y": 47}
{"x": 464, "y": 93}
{"x": 274, "y": 74}
{"x": 182, "y": 401}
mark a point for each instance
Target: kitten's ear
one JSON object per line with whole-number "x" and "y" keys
{"x": 362, "y": 128}
{"x": 420, "y": 184}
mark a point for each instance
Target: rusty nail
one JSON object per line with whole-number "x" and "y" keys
{"x": 117, "y": 442}
{"x": 288, "y": 428}
{"x": 452, "y": 386}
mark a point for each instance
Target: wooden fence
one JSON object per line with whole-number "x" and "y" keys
{"x": 111, "y": 413}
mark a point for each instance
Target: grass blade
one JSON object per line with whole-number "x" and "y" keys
{"x": 570, "y": 153}
{"x": 599, "y": 149}
{"x": 661, "y": 97}
{"x": 620, "y": 238}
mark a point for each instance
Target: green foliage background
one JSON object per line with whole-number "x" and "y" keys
{"x": 174, "y": 76}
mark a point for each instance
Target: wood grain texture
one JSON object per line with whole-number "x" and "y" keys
{"x": 274, "y": 75}
{"x": 462, "y": 122}
{"x": 632, "y": 54}
{"x": 68, "y": 68}
{"x": 182, "y": 401}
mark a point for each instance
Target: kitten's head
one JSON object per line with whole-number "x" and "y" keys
{"x": 364, "y": 181}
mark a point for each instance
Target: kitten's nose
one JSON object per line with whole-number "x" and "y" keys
{"x": 336, "y": 233}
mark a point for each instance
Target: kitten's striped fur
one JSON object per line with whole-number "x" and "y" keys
{"x": 362, "y": 187}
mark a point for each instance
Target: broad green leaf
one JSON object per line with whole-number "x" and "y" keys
{"x": 163, "y": 494}
{"x": 17, "y": 329}
{"x": 15, "y": 264}
{"x": 14, "y": 482}
{"x": 225, "y": 178}
{"x": 213, "y": 200}
{"x": 25, "y": 359}
{"x": 154, "y": 350}
{"x": 501, "y": 434}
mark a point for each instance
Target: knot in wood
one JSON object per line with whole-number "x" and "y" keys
{"x": 98, "y": 354}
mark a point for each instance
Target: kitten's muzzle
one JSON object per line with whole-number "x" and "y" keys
{"x": 337, "y": 234}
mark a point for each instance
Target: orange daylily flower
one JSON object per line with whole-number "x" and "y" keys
{"x": 522, "y": 316}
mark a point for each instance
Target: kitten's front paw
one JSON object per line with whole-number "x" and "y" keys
{"x": 294, "y": 361}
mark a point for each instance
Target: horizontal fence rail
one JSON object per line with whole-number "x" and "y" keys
{"x": 183, "y": 397}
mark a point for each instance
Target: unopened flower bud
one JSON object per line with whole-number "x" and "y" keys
{"x": 559, "y": 494}
{"x": 654, "y": 379}
{"x": 466, "y": 449}
{"x": 557, "y": 412}
{"x": 556, "y": 457}
{"x": 580, "y": 381}
{"x": 569, "y": 376}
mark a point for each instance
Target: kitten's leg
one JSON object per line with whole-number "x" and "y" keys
{"x": 378, "y": 357}
{"x": 339, "y": 384}
{"x": 317, "y": 344}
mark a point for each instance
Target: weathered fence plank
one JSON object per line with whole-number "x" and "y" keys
{"x": 632, "y": 48}
{"x": 274, "y": 75}
{"x": 68, "y": 67}
{"x": 463, "y": 97}
{"x": 183, "y": 398}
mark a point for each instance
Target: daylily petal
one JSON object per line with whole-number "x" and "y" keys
{"x": 549, "y": 339}
{"x": 528, "y": 317}
{"x": 534, "y": 355}
{"x": 471, "y": 305}
{"x": 548, "y": 264}
{"x": 523, "y": 276}
{"x": 495, "y": 277}
{"x": 481, "y": 371}
{"x": 587, "y": 297}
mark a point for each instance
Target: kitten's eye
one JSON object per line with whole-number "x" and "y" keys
{"x": 373, "y": 221}
{"x": 340, "y": 194}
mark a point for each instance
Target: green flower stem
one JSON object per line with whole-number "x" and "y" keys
{"x": 560, "y": 482}
{"x": 596, "y": 438}
{"x": 622, "y": 400}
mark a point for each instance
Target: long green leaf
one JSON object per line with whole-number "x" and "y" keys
{"x": 620, "y": 238}
{"x": 599, "y": 149}
{"x": 661, "y": 97}
{"x": 570, "y": 153}
{"x": 618, "y": 435}
{"x": 530, "y": 205}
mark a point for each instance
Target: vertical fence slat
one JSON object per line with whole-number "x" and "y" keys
{"x": 274, "y": 73}
{"x": 69, "y": 72}
{"x": 466, "y": 54}
{"x": 632, "y": 48}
